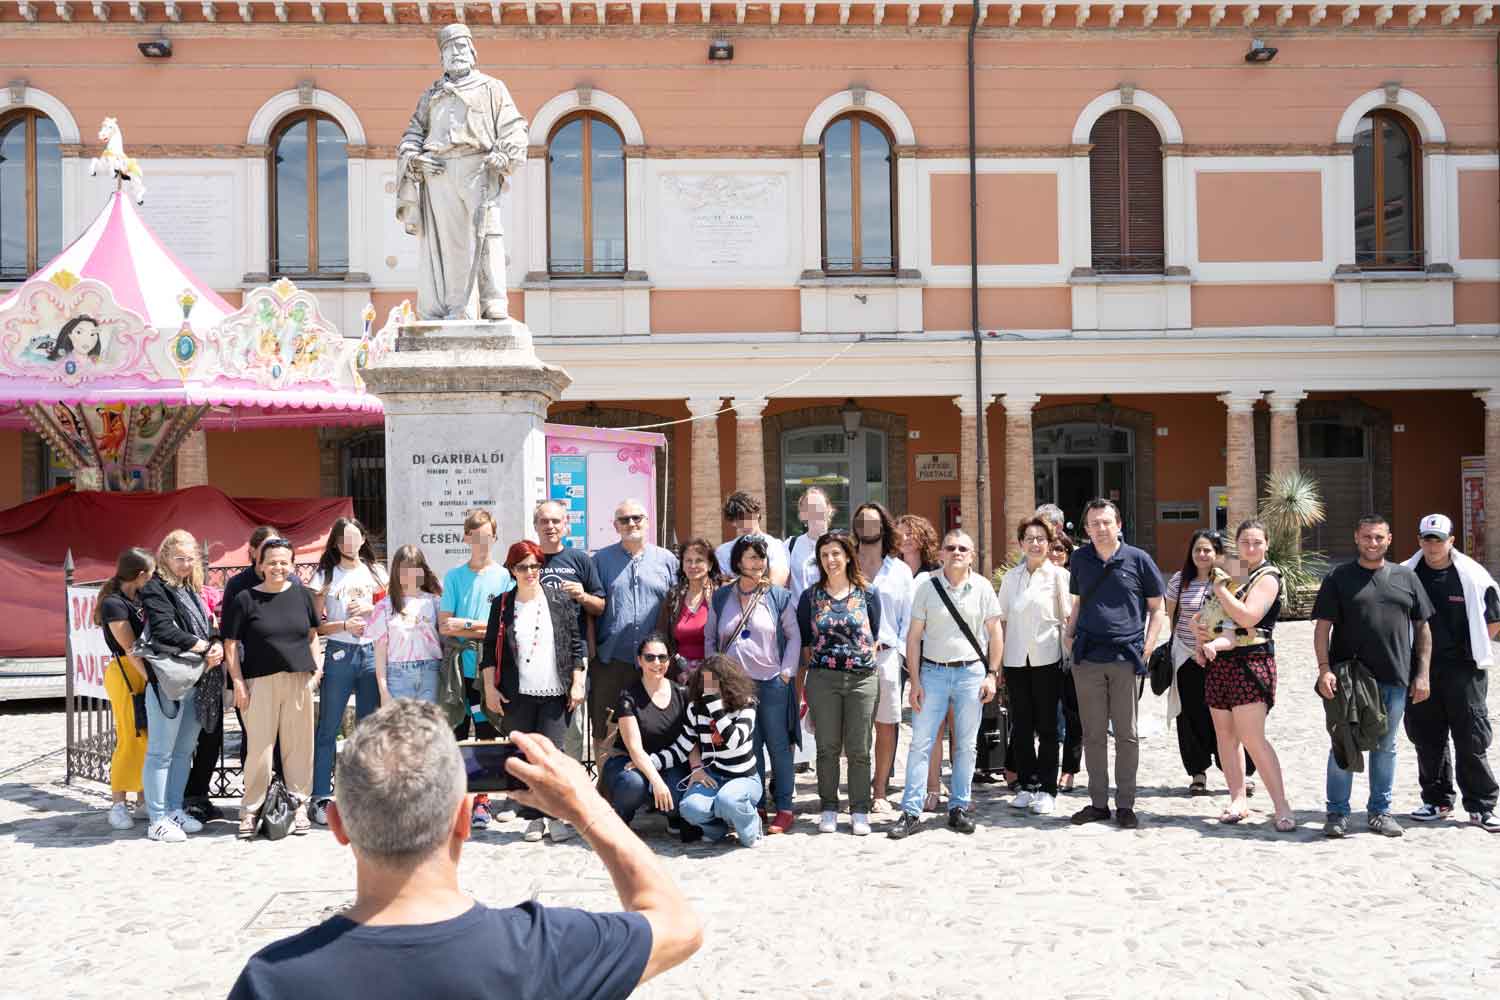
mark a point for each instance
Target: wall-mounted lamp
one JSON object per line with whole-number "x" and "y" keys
{"x": 851, "y": 414}
{"x": 156, "y": 48}
{"x": 720, "y": 51}
{"x": 1260, "y": 52}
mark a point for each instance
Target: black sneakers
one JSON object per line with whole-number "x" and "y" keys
{"x": 1089, "y": 814}
{"x": 958, "y": 819}
{"x": 1126, "y": 819}
{"x": 906, "y": 825}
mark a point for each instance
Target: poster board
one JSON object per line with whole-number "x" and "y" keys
{"x": 1471, "y": 488}
{"x": 591, "y": 469}
{"x": 90, "y": 653}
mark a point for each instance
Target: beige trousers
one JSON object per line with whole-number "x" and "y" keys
{"x": 281, "y": 706}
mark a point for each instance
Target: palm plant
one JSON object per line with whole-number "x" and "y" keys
{"x": 1292, "y": 504}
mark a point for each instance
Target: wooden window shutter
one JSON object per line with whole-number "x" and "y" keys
{"x": 1126, "y": 195}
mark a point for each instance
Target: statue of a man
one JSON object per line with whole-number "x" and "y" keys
{"x": 465, "y": 138}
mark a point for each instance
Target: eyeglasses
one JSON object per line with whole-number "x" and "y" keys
{"x": 549, "y": 520}
{"x": 631, "y": 519}
{"x": 656, "y": 657}
{"x": 527, "y": 567}
{"x": 955, "y": 548}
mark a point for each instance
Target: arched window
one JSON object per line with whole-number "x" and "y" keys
{"x": 309, "y": 197}
{"x": 859, "y": 196}
{"x": 1387, "y": 192}
{"x": 1125, "y": 194}
{"x": 30, "y": 193}
{"x": 586, "y": 196}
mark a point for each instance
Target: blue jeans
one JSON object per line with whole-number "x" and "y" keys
{"x": 1382, "y": 762}
{"x": 414, "y": 679}
{"x": 169, "y": 752}
{"x": 773, "y": 732}
{"x": 731, "y": 805}
{"x": 348, "y": 668}
{"x": 630, "y": 792}
{"x": 942, "y": 687}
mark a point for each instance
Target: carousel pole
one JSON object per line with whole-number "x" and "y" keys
{"x": 68, "y": 681}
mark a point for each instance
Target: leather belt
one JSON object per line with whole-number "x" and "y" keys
{"x": 949, "y": 663}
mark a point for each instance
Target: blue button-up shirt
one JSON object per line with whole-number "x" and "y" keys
{"x": 634, "y": 588}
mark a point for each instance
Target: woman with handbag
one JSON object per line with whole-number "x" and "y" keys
{"x": 652, "y": 716}
{"x": 531, "y": 665}
{"x": 275, "y": 666}
{"x": 685, "y": 610}
{"x": 1240, "y": 683}
{"x": 179, "y": 647}
{"x": 1034, "y": 607}
{"x": 839, "y": 619}
{"x": 754, "y": 623}
{"x": 117, "y": 610}
{"x": 404, "y": 628}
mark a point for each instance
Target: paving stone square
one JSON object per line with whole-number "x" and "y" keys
{"x": 1182, "y": 907}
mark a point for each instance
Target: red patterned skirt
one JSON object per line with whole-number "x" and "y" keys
{"x": 1241, "y": 676}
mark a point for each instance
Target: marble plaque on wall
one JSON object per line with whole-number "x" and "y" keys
{"x": 724, "y": 222}
{"x": 194, "y": 216}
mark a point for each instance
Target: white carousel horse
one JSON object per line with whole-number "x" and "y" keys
{"x": 125, "y": 169}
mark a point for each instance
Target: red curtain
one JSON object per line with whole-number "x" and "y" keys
{"x": 35, "y": 537}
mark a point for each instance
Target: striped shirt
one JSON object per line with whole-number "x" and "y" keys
{"x": 1189, "y": 603}
{"x": 725, "y": 739}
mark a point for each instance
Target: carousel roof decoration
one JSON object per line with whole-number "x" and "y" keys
{"x": 114, "y": 352}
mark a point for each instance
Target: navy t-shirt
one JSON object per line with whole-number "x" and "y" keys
{"x": 1112, "y": 626}
{"x": 572, "y": 566}
{"x": 520, "y": 953}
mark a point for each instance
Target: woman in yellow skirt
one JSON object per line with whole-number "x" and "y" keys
{"x": 118, "y": 611}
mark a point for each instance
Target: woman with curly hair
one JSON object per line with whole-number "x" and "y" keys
{"x": 685, "y": 610}
{"x": 917, "y": 542}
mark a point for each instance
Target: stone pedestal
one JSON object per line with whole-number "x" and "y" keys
{"x": 465, "y": 402}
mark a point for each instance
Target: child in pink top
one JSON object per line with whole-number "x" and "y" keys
{"x": 404, "y": 629}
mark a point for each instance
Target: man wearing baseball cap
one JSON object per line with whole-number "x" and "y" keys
{"x": 1467, "y": 604}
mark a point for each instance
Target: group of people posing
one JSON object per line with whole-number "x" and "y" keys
{"x": 684, "y": 674}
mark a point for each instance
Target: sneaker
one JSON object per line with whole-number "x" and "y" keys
{"x": 828, "y": 822}
{"x": 958, "y": 819}
{"x": 1428, "y": 813}
{"x": 318, "y": 812}
{"x": 906, "y": 825}
{"x": 1488, "y": 822}
{"x": 1337, "y": 827}
{"x": 1022, "y": 800}
{"x": 1385, "y": 824}
{"x": 185, "y": 822}
{"x": 1042, "y": 804}
{"x": 1089, "y": 814}
{"x": 535, "y": 831}
{"x": 481, "y": 817}
{"x": 119, "y": 816}
{"x": 882, "y": 805}
{"x": 165, "y": 831}
{"x": 783, "y": 821}
{"x": 203, "y": 810}
{"x": 559, "y": 831}
{"x": 1126, "y": 819}
{"x": 859, "y": 823}
{"x": 505, "y": 814}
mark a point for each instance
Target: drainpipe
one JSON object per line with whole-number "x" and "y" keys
{"x": 981, "y": 458}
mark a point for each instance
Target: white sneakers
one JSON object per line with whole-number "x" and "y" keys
{"x": 119, "y": 816}
{"x": 1022, "y": 800}
{"x": 165, "y": 831}
{"x": 829, "y": 822}
{"x": 1042, "y": 804}
{"x": 535, "y": 831}
{"x": 861, "y": 823}
{"x": 184, "y": 822}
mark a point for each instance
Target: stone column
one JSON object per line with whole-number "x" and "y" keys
{"x": 1239, "y": 456}
{"x": 1284, "y": 455}
{"x": 706, "y": 511}
{"x": 973, "y": 498}
{"x": 465, "y": 401}
{"x": 192, "y": 460}
{"x": 1491, "y": 553}
{"x": 1020, "y": 472}
{"x": 749, "y": 448}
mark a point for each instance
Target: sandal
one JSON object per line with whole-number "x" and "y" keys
{"x": 1286, "y": 824}
{"x": 1230, "y": 818}
{"x": 1249, "y": 789}
{"x": 931, "y": 803}
{"x": 1199, "y": 785}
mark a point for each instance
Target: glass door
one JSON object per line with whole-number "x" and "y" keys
{"x": 850, "y": 472}
{"x": 1076, "y": 463}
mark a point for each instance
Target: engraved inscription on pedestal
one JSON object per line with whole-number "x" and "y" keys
{"x": 724, "y": 221}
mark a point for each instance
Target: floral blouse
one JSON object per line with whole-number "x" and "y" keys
{"x": 839, "y": 632}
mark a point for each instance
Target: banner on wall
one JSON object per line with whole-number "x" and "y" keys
{"x": 1471, "y": 487}
{"x": 591, "y": 469}
{"x": 91, "y": 655}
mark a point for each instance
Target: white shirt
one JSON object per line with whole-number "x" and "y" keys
{"x": 349, "y": 585}
{"x": 803, "y": 565}
{"x": 1034, "y": 607}
{"x": 894, "y": 588}
{"x": 536, "y": 659}
{"x": 775, "y": 553}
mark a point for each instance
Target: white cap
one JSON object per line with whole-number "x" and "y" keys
{"x": 1435, "y": 526}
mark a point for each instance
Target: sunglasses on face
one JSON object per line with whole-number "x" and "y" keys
{"x": 955, "y": 548}
{"x": 528, "y": 567}
{"x": 656, "y": 657}
{"x": 630, "y": 519}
